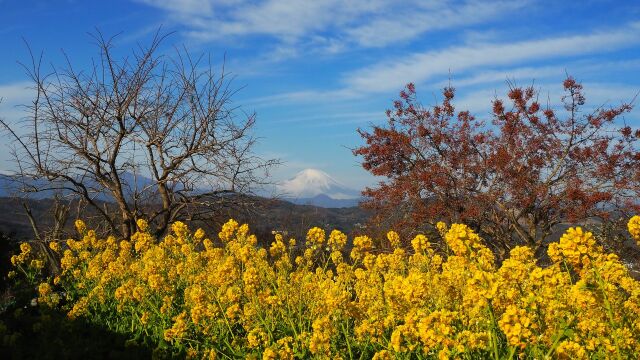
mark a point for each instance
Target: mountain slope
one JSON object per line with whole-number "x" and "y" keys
{"x": 316, "y": 187}
{"x": 12, "y": 184}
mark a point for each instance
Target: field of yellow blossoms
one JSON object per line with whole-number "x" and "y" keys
{"x": 225, "y": 297}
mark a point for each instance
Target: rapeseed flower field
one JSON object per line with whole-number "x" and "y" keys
{"x": 225, "y": 297}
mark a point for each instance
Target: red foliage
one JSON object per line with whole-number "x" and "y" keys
{"x": 514, "y": 179}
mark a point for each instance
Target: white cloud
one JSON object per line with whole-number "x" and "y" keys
{"x": 500, "y": 76}
{"x": 480, "y": 62}
{"x": 330, "y": 119}
{"x": 183, "y": 7}
{"x": 419, "y": 67}
{"x": 411, "y": 21}
{"x": 597, "y": 94}
{"x": 532, "y": 73}
{"x": 311, "y": 96}
{"x": 327, "y": 26}
{"x": 13, "y": 95}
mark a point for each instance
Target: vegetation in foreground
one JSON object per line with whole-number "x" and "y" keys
{"x": 191, "y": 295}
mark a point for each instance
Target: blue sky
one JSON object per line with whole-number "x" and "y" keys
{"x": 316, "y": 70}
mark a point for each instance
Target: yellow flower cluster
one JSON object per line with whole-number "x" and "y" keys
{"x": 25, "y": 253}
{"x": 420, "y": 243}
{"x": 27, "y": 262}
{"x": 315, "y": 236}
{"x": 394, "y": 240}
{"x": 634, "y": 228}
{"x": 227, "y": 297}
{"x": 337, "y": 240}
{"x": 515, "y": 324}
{"x": 47, "y": 296}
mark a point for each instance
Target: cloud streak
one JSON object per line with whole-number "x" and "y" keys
{"x": 486, "y": 63}
{"x": 12, "y": 95}
{"x": 327, "y": 26}
{"x": 532, "y": 73}
{"x": 597, "y": 94}
{"x": 419, "y": 67}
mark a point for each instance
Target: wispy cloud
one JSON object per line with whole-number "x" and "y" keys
{"x": 327, "y": 26}
{"x": 536, "y": 73}
{"x": 598, "y": 94}
{"x": 315, "y": 96}
{"x": 418, "y": 67}
{"x": 331, "y": 118}
{"x": 183, "y": 7}
{"x": 12, "y": 95}
{"x": 477, "y": 64}
{"x": 409, "y": 22}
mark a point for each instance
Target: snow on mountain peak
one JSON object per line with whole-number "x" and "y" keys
{"x": 309, "y": 183}
{"x": 316, "y": 177}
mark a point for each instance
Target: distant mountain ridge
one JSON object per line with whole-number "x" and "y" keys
{"x": 324, "y": 201}
{"x": 12, "y": 184}
{"x": 316, "y": 187}
{"x": 308, "y": 187}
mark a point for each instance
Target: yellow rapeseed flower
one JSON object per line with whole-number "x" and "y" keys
{"x": 142, "y": 225}
{"x": 420, "y": 243}
{"x": 386, "y": 303}
{"x": 394, "y": 239}
{"x": 315, "y": 236}
{"x": 80, "y": 226}
{"x": 634, "y": 228}
{"x": 55, "y": 246}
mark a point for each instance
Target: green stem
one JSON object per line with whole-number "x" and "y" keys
{"x": 224, "y": 316}
{"x": 494, "y": 337}
{"x": 607, "y": 305}
{"x": 346, "y": 337}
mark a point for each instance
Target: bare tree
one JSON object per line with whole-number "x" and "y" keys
{"x": 155, "y": 135}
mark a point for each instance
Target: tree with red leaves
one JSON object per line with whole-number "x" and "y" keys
{"x": 513, "y": 179}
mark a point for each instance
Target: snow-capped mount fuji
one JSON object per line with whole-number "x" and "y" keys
{"x": 316, "y": 187}
{"x": 309, "y": 183}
